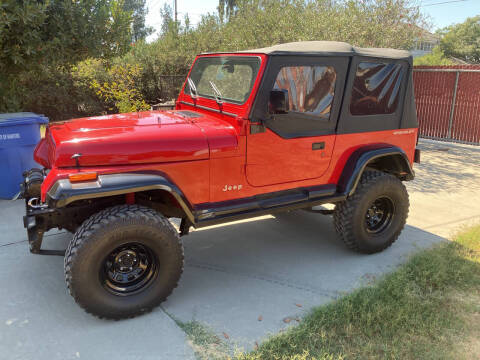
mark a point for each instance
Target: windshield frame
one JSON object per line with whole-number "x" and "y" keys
{"x": 255, "y": 75}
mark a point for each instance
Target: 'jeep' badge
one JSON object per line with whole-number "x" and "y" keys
{"x": 232, "y": 187}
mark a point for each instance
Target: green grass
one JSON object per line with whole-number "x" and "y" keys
{"x": 205, "y": 344}
{"x": 427, "y": 309}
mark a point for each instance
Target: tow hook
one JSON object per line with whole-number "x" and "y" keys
{"x": 36, "y": 204}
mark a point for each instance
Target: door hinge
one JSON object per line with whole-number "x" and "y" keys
{"x": 257, "y": 128}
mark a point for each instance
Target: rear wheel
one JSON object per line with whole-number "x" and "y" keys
{"x": 123, "y": 262}
{"x": 372, "y": 218}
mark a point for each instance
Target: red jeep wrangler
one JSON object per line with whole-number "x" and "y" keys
{"x": 255, "y": 132}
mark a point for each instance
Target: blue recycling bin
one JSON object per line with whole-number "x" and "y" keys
{"x": 19, "y": 134}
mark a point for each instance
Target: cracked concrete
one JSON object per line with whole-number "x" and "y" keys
{"x": 270, "y": 267}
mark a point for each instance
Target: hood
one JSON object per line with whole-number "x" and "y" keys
{"x": 124, "y": 139}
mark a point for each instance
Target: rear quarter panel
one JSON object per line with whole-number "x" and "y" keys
{"x": 346, "y": 144}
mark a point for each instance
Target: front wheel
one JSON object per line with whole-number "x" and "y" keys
{"x": 123, "y": 262}
{"x": 372, "y": 218}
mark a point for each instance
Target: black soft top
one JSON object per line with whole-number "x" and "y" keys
{"x": 331, "y": 48}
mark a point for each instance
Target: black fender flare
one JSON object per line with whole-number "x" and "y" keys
{"x": 63, "y": 192}
{"x": 361, "y": 158}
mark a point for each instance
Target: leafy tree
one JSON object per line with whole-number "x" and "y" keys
{"x": 20, "y": 33}
{"x": 369, "y": 23}
{"x": 38, "y": 36}
{"x": 436, "y": 57}
{"x": 187, "y": 24}
{"x": 138, "y": 11}
{"x": 462, "y": 40}
{"x": 61, "y": 31}
{"x": 168, "y": 23}
{"x": 226, "y": 9}
{"x": 20, "y": 39}
{"x": 151, "y": 72}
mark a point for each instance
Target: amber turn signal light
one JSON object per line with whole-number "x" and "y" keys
{"x": 82, "y": 177}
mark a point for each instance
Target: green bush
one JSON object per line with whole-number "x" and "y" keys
{"x": 162, "y": 70}
{"x": 120, "y": 91}
{"x": 437, "y": 57}
{"x": 56, "y": 93}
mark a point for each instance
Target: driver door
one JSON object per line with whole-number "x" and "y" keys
{"x": 297, "y": 144}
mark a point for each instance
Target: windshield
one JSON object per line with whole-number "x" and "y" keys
{"x": 232, "y": 76}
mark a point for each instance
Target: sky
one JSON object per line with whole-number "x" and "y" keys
{"x": 441, "y": 13}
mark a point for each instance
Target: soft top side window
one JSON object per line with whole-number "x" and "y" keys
{"x": 376, "y": 88}
{"x": 310, "y": 88}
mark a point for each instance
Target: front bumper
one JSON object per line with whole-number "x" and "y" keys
{"x": 37, "y": 222}
{"x": 58, "y": 212}
{"x": 38, "y": 218}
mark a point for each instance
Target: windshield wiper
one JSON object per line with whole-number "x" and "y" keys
{"x": 193, "y": 88}
{"x": 218, "y": 94}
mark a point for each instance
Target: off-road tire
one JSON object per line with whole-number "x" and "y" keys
{"x": 350, "y": 215}
{"x": 107, "y": 230}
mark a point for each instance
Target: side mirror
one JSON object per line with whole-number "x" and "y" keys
{"x": 278, "y": 103}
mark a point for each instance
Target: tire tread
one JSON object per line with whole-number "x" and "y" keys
{"x": 344, "y": 211}
{"x": 104, "y": 218}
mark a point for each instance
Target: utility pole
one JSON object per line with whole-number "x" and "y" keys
{"x": 175, "y": 12}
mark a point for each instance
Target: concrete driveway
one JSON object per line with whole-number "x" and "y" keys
{"x": 241, "y": 280}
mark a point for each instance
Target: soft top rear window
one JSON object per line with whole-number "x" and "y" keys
{"x": 233, "y": 76}
{"x": 376, "y": 88}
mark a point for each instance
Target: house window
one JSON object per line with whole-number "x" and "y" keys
{"x": 376, "y": 88}
{"x": 310, "y": 88}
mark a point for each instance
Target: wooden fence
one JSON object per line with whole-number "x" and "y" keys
{"x": 448, "y": 102}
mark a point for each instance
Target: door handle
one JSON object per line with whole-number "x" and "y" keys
{"x": 318, "y": 145}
